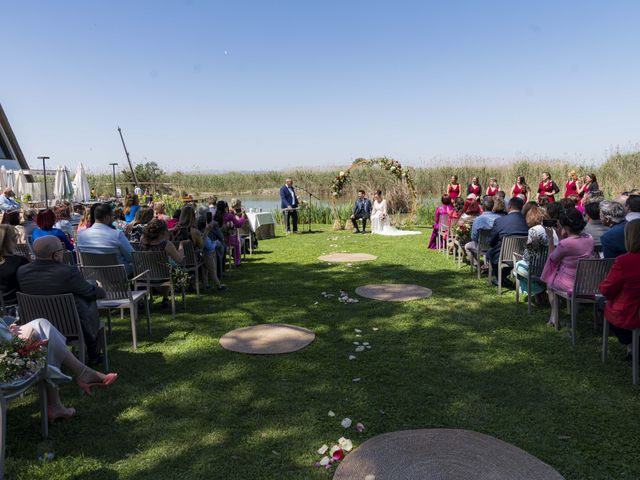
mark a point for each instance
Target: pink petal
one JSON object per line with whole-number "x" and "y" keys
{"x": 359, "y": 427}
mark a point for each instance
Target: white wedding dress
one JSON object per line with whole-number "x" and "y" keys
{"x": 381, "y": 224}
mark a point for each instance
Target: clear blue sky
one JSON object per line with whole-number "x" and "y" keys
{"x": 268, "y": 84}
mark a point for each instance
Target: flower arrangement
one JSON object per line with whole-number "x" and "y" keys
{"x": 179, "y": 276}
{"x": 21, "y": 358}
{"x": 461, "y": 231}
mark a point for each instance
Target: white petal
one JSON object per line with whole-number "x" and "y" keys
{"x": 375, "y": 329}
{"x": 365, "y": 343}
{"x": 368, "y": 346}
{"x": 352, "y": 357}
{"x": 357, "y": 379}
{"x": 323, "y": 449}
{"x": 370, "y": 477}
{"x": 359, "y": 348}
{"x": 331, "y": 414}
{"x": 324, "y": 461}
{"x": 346, "y": 423}
{"x": 346, "y": 444}
{"x": 357, "y": 330}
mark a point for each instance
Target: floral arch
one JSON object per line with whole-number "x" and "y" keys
{"x": 392, "y": 166}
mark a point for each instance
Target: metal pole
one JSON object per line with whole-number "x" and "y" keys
{"x": 115, "y": 190}
{"x": 133, "y": 173}
{"x": 44, "y": 171}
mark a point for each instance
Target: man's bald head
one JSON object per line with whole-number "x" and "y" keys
{"x": 45, "y": 247}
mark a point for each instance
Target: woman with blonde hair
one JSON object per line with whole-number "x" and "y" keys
{"x": 571, "y": 187}
{"x": 159, "y": 210}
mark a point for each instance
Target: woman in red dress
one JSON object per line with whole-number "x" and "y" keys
{"x": 453, "y": 189}
{"x": 474, "y": 187}
{"x": 520, "y": 187}
{"x": 547, "y": 188}
{"x": 493, "y": 187}
{"x": 571, "y": 187}
{"x": 590, "y": 184}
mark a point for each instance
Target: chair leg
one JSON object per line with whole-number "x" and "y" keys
{"x": 574, "y": 320}
{"x": 605, "y": 340}
{"x": 487, "y": 262}
{"x": 634, "y": 355}
{"x": 173, "y": 303}
{"x": 197, "y": 281}
{"x": 133, "y": 313}
{"x": 148, "y": 308}
{"x": 529, "y": 295}
{"x": 499, "y": 278}
{"x": 184, "y": 299}
{"x": 3, "y": 432}
{"x": 105, "y": 354}
{"x": 517, "y": 289}
{"x": 555, "y": 311}
{"x": 478, "y": 264}
{"x": 109, "y": 320}
{"x": 44, "y": 420}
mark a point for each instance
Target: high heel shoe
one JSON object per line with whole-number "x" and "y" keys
{"x": 64, "y": 416}
{"x": 109, "y": 378}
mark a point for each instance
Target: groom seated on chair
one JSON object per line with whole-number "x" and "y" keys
{"x": 361, "y": 210}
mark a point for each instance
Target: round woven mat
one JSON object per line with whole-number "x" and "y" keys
{"x": 394, "y": 292}
{"x": 441, "y": 454}
{"x": 266, "y": 339}
{"x": 347, "y": 257}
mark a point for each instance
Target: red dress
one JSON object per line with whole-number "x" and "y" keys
{"x": 622, "y": 289}
{"x": 570, "y": 188}
{"x": 547, "y": 187}
{"x": 475, "y": 189}
{"x": 517, "y": 189}
{"x": 492, "y": 191}
{"x": 454, "y": 191}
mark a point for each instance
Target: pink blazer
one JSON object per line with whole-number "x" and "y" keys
{"x": 560, "y": 270}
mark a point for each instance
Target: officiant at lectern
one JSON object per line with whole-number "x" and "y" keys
{"x": 289, "y": 202}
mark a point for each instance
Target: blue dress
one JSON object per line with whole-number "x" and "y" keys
{"x": 132, "y": 213}
{"x": 56, "y": 232}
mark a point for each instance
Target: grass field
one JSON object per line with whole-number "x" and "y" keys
{"x": 465, "y": 358}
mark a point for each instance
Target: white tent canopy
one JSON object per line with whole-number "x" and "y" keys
{"x": 62, "y": 188}
{"x": 21, "y": 187}
{"x": 81, "y": 190}
{"x": 11, "y": 179}
{"x": 3, "y": 177}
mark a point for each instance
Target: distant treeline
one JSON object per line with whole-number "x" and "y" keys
{"x": 619, "y": 173}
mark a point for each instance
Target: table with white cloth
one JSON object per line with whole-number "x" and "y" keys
{"x": 263, "y": 224}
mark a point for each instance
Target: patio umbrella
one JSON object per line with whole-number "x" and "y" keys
{"x": 81, "y": 190}
{"x": 11, "y": 179}
{"x": 62, "y": 189}
{"x": 21, "y": 187}
{"x": 3, "y": 177}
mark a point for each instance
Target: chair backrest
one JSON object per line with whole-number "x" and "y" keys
{"x": 537, "y": 261}
{"x": 483, "y": 239}
{"x": 68, "y": 258}
{"x": 60, "y": 310}
{"x": 443, "y": 220}
{"x": 23, "y": 250}
{"x": 190, "y": 259}
{"x": 97, "y": 259}
{"x": 112, "y": 278}
{"x": 589, "y": 275}
{"x": 156, "y": 262}
{"x": 510, "y": 245}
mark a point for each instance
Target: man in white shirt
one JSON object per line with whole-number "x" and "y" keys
{"x": 632, "y": 208}
{"x": 7, "y": 202}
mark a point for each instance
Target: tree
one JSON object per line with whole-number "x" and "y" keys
{"x": 149, "y": 174}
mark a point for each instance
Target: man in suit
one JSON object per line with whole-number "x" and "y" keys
{"x": 509, "y": 225}
{"x": 48, "y": 276}
{"x": 361, "y": 210}
{"x": 612, "y": 216}
{"x": 289, "y": 203}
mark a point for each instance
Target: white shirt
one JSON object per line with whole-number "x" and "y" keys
{"x": 632, "y": 216}
{"x": 293, "y": 196}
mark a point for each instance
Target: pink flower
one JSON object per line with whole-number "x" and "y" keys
{"x": 337, "y": 455}
{"x": 360, "y": 427}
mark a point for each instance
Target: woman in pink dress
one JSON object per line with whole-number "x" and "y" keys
{"x": 228, "y": 222}
{"x": 560, "y": 270}
{"x": 520, "y": 188}
{"x": 571, "y": 187}
{"x": 493, "y": 188}
{"x": 453, "y": 189}
{"x": 474, "y": 187}
{"x": 445, "y": 209}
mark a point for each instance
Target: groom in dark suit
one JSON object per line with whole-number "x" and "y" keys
{"x": 361, "y": 210}
{"x": 289, "y": 203}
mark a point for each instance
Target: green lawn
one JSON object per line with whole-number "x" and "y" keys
{"x": 465, "y": 358}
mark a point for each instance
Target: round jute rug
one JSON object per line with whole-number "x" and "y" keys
{"x": 441, "y": 454}
{"x": 347, "y": 257}
{"x": 394, "y": 292}
{"x": 267, "y": 339}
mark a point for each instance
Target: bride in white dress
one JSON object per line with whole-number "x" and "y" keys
{"x": 380, "y": 222}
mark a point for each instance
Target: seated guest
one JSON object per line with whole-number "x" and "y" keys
{"x": 85, "y": 221}
{"x": 621, "y": 288}
{"x": 499, "y": 206}
{"x": 612, "y": 241}
{"x": 445, "y": 208}
{"x": 9, "y": 264}
{"x": 7, "y": 201}
{"x": 632, "y": 208}
{"x": 483, "y": 222}
{"x": 229, "y": 222}
{"x": 119, "y": 223}
{"x": 133, "y": 231}
{"x": 560, "y": 270}
{"x": 512, "y": 224}
{"x": 594, "y": 227}
{"x": 13, "y": 218}
{"x": 48, "y": 276}
{"x": 131, "y": 206}
{"x": 58, "y": 355}
{"x": 28, "y": 223}
{"x": 470, "y": 211}
{"x": 187, "y": 229}
{"x": 76, "y": 215}
{"x": 458, "y": 206}
{"x": 528, "y": 206}
{"x": 45, "y": 220}
{"x": 155, "y": 238}
{"x": 63, "y": 218}
{"x": 159, "y": 211}
{"x": 103, "y": 238}
{"x": 537, "y": 244}
{"x": 214, "y": 240}
{"x": 173, "y": 221}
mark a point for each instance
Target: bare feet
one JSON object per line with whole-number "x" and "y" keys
{"x": 90, "y": 375}
{"x": 54, "y": 412}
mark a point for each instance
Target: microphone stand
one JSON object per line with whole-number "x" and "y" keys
{"x": 311, "y": 195}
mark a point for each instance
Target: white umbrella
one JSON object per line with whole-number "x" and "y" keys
{"x": 81, "y": 189}
{"x": 11, "y": 179}
{"x": 3, "y": 177}
{"x": 62, "y": 189}
{"x": 21, "y": 184}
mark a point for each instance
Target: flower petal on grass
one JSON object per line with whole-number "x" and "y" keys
{"x": 375, "y": 329}
{"x": 324, "y": 461}
{"x": 331, "y": 414}
{"x": 345, "y": 444}
{"x": 365, "y": 343}
{"x": 352, "y": 357}
{"x": 360, "y": 427}
{"x": 357, "y": 330}
{"x": 359, "y": 348}
{"x": 357, "y": 379}
{"x": 346, "y": 423}
{"x": 323, "y": 449}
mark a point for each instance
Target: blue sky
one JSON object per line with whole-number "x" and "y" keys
{"x": 249, "y": 85}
